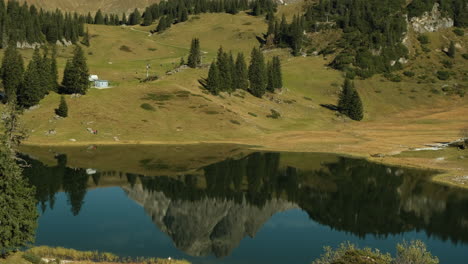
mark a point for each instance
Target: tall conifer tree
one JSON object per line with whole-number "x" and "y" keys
{"x": 31, "y": 90}
{"x": 241, "y": 80}
{"x": 148, "y": 19}
{"x": 194, "y": 59}
{"x": 257, "y": 73}
{"x": 349, "y": 102}
{"x": 213, "y": 81}
{"x": 225, "y": 72}
{"x": 86, "y": 39}
{"x": 98, "y": 18}
{"x": 278, "y": 80}
{"x": 12, "y": 72}
{"x": 76, "y": 74}
{"x": 54, "y": 70}
{"x": 270, "y": 77}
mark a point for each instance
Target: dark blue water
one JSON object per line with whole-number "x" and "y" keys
{"x": 253, "y": 209}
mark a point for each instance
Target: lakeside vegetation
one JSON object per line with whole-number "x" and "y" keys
{"x": 346, "y": 253}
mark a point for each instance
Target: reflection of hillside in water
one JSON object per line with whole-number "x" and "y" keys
{"x": 212, "y": 210}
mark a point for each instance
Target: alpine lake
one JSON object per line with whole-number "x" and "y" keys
{"x": 230, "y": 204}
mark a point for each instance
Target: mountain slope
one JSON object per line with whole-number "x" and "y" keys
{"x": 84, "y": 6}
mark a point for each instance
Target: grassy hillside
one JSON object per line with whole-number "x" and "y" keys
{"x": 183, "y": 111}
{"x": 84, "y": 6}
{"x": 174, "y": 109}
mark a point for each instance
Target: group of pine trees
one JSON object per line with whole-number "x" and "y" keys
{"x": 373, "y": 30}
{"x": 228, "y": 75}
{"x": 350, "y": 103}
{"x": 28, "y": 86}
{"x": 282, "y": 34}
{"x": 27, "y": 24}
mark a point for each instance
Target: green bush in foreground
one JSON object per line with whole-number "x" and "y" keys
{"x": 414, "y": 252}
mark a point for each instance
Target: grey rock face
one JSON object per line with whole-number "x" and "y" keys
{"x": 431, "y": 21}
{"x": 207, "y": 226}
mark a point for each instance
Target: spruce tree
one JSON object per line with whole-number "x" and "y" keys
{"x": 213, "y": 81}
{"x": 278, "y": 80}
{"x": 225, "y": 72}
{"x": 241, "y": 80}
{"x": 86, "y": 39}
{"x": 76, "y": 74}
{"x": 12, "y": 72}
{"x": 62, "y": 110}
{"x": 18, "y": 214}
{"x": 344, "y": 100}
{"x": 54, "y": 70}
{"x": 350, "y": 103}
{"x": 98, "y": 18}
{"x": 356, "y": 110}
{"x": 124, "y": 19}
{"x": 135, "y": 17}
{"x": 45, "y": 71}
{"x": 148, "y": 19}
{"x": 161, "y": 25}
{"x": 270, "y": 77}
{"x": 194, "y": 59}
{"x": 232, "y": 69}
{"x": 31, "y": 91}
{"x": 89, "y": 19}
{"x": 451, "y": 50}
{"x": 70, "y": 77}
{"x": 257, "y": 73}
{"x": 184, "y": 15}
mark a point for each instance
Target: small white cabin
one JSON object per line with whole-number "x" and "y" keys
{"x": 101, "y": 84}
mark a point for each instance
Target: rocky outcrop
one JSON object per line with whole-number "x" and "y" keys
{"x": 207, "y": 226}
{"x": 26, "y": 45}
{"x": 431, "y": 21}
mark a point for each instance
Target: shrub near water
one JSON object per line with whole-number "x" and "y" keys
{"x": 414, "y": 252}
{"x": 75, "y": 255}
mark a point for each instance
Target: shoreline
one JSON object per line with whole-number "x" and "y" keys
{"x": 446, "y": 175}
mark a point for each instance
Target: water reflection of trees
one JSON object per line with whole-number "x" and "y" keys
{"x": 349, "y": 195}
{"x": 50, "y": 180}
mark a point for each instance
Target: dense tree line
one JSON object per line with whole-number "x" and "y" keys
{"x": 27, "y": 24}
{"x": 282, "y": 34}
{"x": 28, "y": 86}
{"x": 177, "y": 11}
{"x": 228, "y": 75}
{"x": 373, "y": 32}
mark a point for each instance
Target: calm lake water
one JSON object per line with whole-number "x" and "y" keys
{"x": 225, "y": 204}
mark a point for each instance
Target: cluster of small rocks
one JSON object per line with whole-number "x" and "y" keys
{"x": 176, "y": 70}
